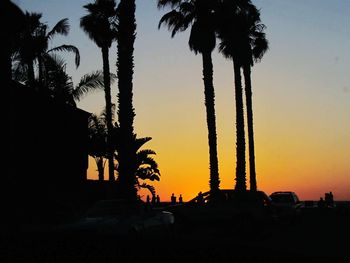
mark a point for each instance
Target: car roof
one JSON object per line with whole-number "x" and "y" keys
{"x": 234, "y": 193}
{"x": 282, "y": 192}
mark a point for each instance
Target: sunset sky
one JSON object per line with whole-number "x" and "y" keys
{"x": 301, "y": 97}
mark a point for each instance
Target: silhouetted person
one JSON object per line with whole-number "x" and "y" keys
{"x": 180, "y": 199}
{"x": 153, "y": 199}
{"x": 173, "y": 198}
{"x": 321, "y": 203}
{"x": 326, "y": 199}
{"x": 157, "y": 199}
{"x": 331, "y": 199}
{"x": 148, "y": 200}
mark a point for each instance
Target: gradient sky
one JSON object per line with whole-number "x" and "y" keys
{"x": 301, "y": 97}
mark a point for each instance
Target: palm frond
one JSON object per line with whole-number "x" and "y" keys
{"x": 54, "y": 62}
{"x": 147, "y": 186}
{"x": 261, "y": 46}
{"x": 88, "y": 83}
{"x": 174, "y": 20}
{"x": 187, "y": 8}
{"x": 139, "y": 142}
{"x": 170, "y": 3}
{"x": 62, "y": 27}
{"x": 149, "y": 162}
{"x": 146, "y": 152}
{"x": 68, "y": 48}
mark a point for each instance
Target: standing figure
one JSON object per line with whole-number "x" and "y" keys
{"x": 173, "y": 198}
{"x": 180, "y": 199}
{"x": 331, "y": 199}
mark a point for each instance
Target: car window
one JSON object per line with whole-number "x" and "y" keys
{"x": 282, "y": 198}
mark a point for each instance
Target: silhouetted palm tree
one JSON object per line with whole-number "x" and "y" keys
{"x": 62, "y": 28}
{"x": 98, "y": 140}
{"x": 244, "y": 41}
{"x": 199, "y": 15}
{"x": 100, "y": 26}
{"x": 13, "y": 20}
{"x": 34, "y": 42}
{"x": 255, "y": 46}
{"x": 126, "y": 113}
{"x": 146, "y": 168}
{"x": 97, "y": 143}
{"x": 29, "y": 44}
{"x": 61, "y": 86}
{"x": 231, "y": 46}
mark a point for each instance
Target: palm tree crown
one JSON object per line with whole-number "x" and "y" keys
{"x": 34, "y": 46}
{"x": 197, "y": 14}
{"x": 101, "y": 22}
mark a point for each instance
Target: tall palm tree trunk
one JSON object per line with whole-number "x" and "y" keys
{"x": 126, "y": 114}
{"x": 107, "y": 83}
{"x": 214, "y": 181}
{"x": 240, "y": 137}
{"x": 249, "y": 104}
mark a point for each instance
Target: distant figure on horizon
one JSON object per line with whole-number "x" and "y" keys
{"x": 331, "y": 199}
{"x": 173, "y": 198}
{"x": 148, "y": 199}
{"x": 153, "y": 199}
{"x": 157, "y": 199}
{"x": 321, "y": 203}
{"x": 328, "y": 197}
{"x": 180, "y": 199}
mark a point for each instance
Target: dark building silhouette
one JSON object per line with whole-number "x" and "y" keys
{"x": 46, "y": 154}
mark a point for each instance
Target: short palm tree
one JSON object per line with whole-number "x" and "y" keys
{"x": 98, "y": 140}
{"x": 97, "y": 147}
{"x": 126, "y": 113}
{"x": 199, "y": 15}
{"x": 146, "y": 168}
{"x": 100, "y": 25}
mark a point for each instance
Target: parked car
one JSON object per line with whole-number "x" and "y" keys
{"x": 287, "y": 205}
{"x": 227, "y": 206}
{"x": 119, "y": 217}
